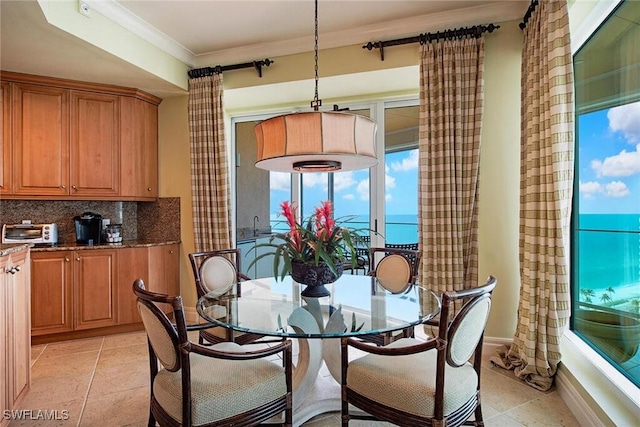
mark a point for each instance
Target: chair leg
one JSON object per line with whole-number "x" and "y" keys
{"x": 478, "y": 416}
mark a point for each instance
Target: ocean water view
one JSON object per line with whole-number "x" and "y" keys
{"x": 608, "y": 256}
{"x": 398, "y": 228}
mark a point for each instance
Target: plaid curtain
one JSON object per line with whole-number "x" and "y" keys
{"x": 546, "y": 183}
{"x": 451, "y": 105}
{"x": 210, "y": 190}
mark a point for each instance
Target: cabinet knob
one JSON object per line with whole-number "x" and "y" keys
{"x": 78, "y": 259}
{"x": 17, "y": 268}
{"x": 67, "y": 259}
{"x": 149, "y": 189}
{"x": 12, "y": 270}
{"x": 74, "y": 187}
{"x": 171, "y": 251}
{"x": 63, "y": 186}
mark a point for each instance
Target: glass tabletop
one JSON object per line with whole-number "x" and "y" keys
{"x": 358, "y": 305}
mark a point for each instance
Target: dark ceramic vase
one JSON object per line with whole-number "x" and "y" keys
{"x": 314, "y": 277}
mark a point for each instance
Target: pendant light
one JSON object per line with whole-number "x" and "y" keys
{"x": 316, "y": 141}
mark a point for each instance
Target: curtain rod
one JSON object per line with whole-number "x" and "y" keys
{"x": 475, "y": 31}
{"x": 210, "y": 71}
{"x": 527, "y": 15}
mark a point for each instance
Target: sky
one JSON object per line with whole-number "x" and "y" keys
{"x": 609, "y": 160}
{"x": 351, "y": 189}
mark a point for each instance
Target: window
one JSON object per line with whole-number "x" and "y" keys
{"x": 606, "y": 214}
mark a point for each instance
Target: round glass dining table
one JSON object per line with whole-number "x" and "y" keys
{"x": 357, "y": 306}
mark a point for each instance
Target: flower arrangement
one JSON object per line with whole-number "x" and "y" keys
{"x": 318, "y": 239}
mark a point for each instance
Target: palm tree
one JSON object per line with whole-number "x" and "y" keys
{"x": 636, "y": 305}
{"x": 611, "y": 290}
{"x": 587, "y": 294}
{"x": 605, "y": 298}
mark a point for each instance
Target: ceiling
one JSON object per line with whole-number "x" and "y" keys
{"x": 221, "y": 32}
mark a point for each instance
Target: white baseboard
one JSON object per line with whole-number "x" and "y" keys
{"x": 580, "y": 409}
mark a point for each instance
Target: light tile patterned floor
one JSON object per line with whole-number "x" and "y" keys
{"x": 105, "y": 381}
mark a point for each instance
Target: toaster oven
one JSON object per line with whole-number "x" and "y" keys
{"x": 43, "y": 234}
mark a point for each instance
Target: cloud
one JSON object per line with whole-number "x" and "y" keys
{"x": 623, "y": 164}
{"x": 314, "y": 179}
{"x": 617, "y": 189}
{"x": 388, "y": 197}
{"x": 626, "y": 119}
{"x": 408, "y": 163}
{"x": 389, "y": 182}
{"x": 280, "y": 181}
{"x": 343, "y": 180}
{"x": 589, "y": 189}
{"x": 348, "y": 196}
{"x": 363, "y": 189}
{"x": 613, "y": 189}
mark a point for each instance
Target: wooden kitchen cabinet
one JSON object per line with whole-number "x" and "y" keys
{"x": 94, "y": 162}
{"x": 15, "y": 357}
{"x": 95, "y": 288}
{"x": 51, "y": 292}
{"x": 6, "y": 182}
{"x": 73, "y": 290}
{"x": 164, "y": 271}
{"x": 139, "y": 153}
{"x": 68, "y": 140}
{"x": 40, "y": 140}
{"x": 133, "y": 263}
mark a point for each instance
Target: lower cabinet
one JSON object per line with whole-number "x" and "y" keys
{"x": 164, "y": 271}
{"x": 88, "y": 289}
{"x": 73, "y": 290}
{"x": 15, "y": 343}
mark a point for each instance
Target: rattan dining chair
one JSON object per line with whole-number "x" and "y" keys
{"x": 396, "y": 269}
{"x": 411, "y": 382}
{"x": 221, "y": 385}
{"x": 217, "y": 272}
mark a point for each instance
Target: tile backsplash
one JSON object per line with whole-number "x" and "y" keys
{"x": 154, "y": 221}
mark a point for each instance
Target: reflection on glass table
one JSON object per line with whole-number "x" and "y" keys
{"x": 358, "y": 305}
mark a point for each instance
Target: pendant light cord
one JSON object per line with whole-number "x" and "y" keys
{"x": 316, "y": 103}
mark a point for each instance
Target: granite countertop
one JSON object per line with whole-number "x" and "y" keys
{"x": 9, "y": 248}
{"x": 126, "y": 244}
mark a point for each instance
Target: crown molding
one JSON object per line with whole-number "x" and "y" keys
{"x": 497, "y": 11}
{"x": 128, "y": 20}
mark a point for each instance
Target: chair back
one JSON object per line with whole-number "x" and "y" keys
{"x": 464, "y": 333}
{"x": 394, "y": 267}
{"x": 394, "y": 273}
{"x": 163, "y": 336}
{"x": 215, "y": 271}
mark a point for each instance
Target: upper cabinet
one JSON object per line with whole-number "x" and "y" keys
{"x": 139, "y": 152}
{"x": 65, "y": 140}
{"x": 94, "y": 166}
{"x": 5, "y": 136}
{"x": 40, "y": 140}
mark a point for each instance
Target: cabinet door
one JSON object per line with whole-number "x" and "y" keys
{"x": 96, "y": 292}
{"x": 164, "y": 271}
{"x": 40, "y": 140}
{"x": 51, "y": 292}
{"x": 132, "y": 264}
{"x": 95, "y": 144}
{"x": 19, "y": 335}
{"x": 139, "y": 154}
{"x": 5, "y": 311}
{"x": 6, "y": 184}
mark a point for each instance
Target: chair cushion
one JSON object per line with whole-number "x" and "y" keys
{"x": 221, "y": 388}
{"x": 394, "y": 273}
{"x": 408, "y": 382}
{"x": 218, "y": 274}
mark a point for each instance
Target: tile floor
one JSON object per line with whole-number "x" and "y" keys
{"x": 104, "y": 382}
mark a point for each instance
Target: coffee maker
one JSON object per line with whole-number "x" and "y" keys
{"x": 88, "y": 228}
